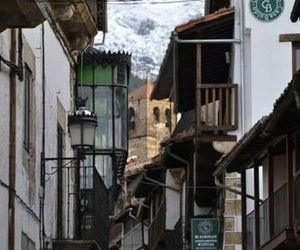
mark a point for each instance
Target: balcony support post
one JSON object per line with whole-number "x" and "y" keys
{"x": 198, "y": 87}
{"x": 271, "y": 192}
{"x": 244, "y": 209}
{"x": 256, "y": 204}
{"x": 289, "y": 164}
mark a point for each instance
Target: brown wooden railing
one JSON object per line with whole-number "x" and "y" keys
{"x": 297, "y": 197}
{"x": 157, "y": 227}
{"x": 217, "y": 107}
{"x": 280, "y": 219}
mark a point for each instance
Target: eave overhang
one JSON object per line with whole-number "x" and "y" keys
{"x": 19, "y": 14}
{"x": 97, "y": 57}
{"x": 218, "y": 25}
{"x": 284, "y": 119}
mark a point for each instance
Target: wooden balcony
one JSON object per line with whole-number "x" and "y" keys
{"x": 217, "y": 108}
{"x": 79, "y": 21}
{"x": 20, "y": 14}
{"x": 157, "y": 227}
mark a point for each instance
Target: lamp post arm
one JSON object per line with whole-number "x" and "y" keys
{"x": 63, "y": 158}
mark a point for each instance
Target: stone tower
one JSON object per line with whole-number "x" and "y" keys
{"x": 150, "y": 121}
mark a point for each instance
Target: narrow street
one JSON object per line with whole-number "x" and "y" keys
{"x": 150, "y": 124}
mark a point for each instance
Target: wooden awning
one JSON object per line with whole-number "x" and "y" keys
{"x": 215, "y": 69}
{"x": 284, "y": 119}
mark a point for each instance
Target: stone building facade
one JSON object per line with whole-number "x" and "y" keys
{"x": 150, "y": 122}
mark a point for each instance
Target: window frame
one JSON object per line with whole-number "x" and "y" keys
{"x": 156, "y": 114}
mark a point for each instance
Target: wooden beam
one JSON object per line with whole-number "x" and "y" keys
{"x": 289, "y": 37}
{"x": 244, "y": 209}
{"x": 289, "y": 164}
{"x": 256, "y": 205}
{"x": 271, "y": 192}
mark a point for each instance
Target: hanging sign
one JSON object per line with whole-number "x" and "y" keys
{"x": 205, "y": 234}
{"x": 266, "y": 10}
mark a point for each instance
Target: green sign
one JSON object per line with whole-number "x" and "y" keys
{"x": 266, "y": 10}
{"x": 205, "y": 234}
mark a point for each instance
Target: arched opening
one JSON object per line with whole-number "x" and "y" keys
{"x": 156, "y": 115}
{"x": 168, "y": 118}
{"x": 131, "y": 118}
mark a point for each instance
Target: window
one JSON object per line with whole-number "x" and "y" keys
{"x": 168, "y": 118}
{"x": 27, "y": 243}
{"x": 131, "y": 118}
{"x": 296, "y": 57}
{"x": 156, "y": 115}
{"x": 27, "y": 108}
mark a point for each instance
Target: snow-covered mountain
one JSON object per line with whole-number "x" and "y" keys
{"x": 144, "y": 29}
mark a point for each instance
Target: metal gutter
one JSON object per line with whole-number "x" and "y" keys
{"x": 204, "y": 41}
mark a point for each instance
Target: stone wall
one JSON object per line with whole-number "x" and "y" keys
{"x": 232, "y": 214}
{"x": 147, "y": 132}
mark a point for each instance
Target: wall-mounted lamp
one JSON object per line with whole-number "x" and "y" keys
{"x": 82, "y": 125}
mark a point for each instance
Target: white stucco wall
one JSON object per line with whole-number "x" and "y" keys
{"x": 271, "y": 60}
{"x": 172, "y": 202}
{"x": 57, "y": 89}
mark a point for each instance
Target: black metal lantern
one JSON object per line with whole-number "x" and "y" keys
{"x": 82, "y": 126}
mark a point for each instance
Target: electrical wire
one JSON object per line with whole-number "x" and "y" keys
{"x": 138, "y": 2}
{"x": 22, "y": 202}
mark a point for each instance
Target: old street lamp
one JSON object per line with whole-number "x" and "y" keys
{"x": 82, "y": 126}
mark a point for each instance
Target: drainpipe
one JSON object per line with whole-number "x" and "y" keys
{"x": 242, "y": 64}
{"x": 12, "y": 142}
{"x": 183, "y": 220}
{"x": 42, "y": 177}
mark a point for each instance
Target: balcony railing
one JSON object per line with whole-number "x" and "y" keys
{"x": 157, "y": 227}
{"x": 280, "y": 219}
{"x": 94, "y": 212}
{"x": 297, "y": 197}
{"x": 217, "y": 107}
{"x": 134, "y": 238}
{"x": 91, "y": 220}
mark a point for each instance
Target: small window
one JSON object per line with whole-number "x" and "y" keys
{"x": 27, "y": 108}
{"x": 131, "y": 118}
{"x": 156, "y": 115}
{"x": 168, "y": 118}
{"x": 120, "y": 74}
{"x": 296, "y": 57}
